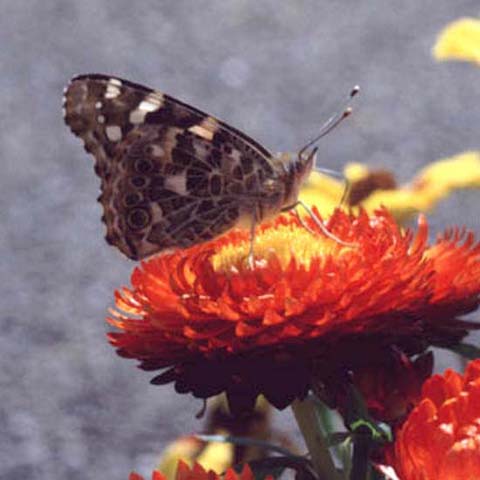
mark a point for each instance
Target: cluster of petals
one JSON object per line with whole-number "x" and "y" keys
{"x": 373, "y": 188}
{"x": 197, "y": 472}
{"x": 218, "y": 325}
{"x": 391, "y": 387}
{"x": 440, "y": 440}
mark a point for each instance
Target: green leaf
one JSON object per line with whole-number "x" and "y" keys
{"x": 330, "y": 420}
{"x": 357, "y": 417}
{"x": 466, "y": 350}
{"x": 337, "y": 438}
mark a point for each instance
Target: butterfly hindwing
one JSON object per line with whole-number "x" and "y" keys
{"x": 172, "y": 176}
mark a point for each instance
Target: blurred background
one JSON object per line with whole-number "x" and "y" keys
{"x": 69, "y": 407}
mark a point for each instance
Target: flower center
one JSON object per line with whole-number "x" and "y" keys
{"x": 285, "y": 242}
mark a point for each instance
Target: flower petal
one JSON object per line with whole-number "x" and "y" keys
{"x": 217, "y": 325}
{"x": 460, "y": 40}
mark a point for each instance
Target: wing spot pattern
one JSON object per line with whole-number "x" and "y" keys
{"x": 172, "y": 176}
{"x": 177, "y": 183}
{"x": 114, "y": 133}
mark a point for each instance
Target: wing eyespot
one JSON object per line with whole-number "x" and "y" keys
{"x": 132, "y": 199}
{"x": 144, "y": 165}
{"x": 139, "y": 181}
{"x": 138, "y": 218}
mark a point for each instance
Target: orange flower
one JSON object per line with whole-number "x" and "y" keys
{"x": 392, "y": 387}
{"x": 217, "y": 325}
{"x": 155, "y": 476}
{"x": 197, "y": 472}
{"x": 440, "y": 440}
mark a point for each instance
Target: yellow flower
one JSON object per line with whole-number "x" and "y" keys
{"x": 460, "y": 40}
{"x": 216, "y": 456}
{"x": 219, "y": 456}
{"x": 374, "y": 188}
{"x": 322, "y": 191}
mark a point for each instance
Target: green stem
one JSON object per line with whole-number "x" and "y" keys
{"x": 308, "y": 423}
{"x": 362, "y": 442}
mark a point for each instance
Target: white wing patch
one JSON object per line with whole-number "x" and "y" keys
{"x": 177, "y": 183}
{"x": 114, "y": 133}
{"x": 206, "y": 129}
{"x": 152, "y": 102}
{"x": 112, "y": 91}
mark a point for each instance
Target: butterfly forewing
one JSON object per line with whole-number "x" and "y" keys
{"x": 172, "y": 176}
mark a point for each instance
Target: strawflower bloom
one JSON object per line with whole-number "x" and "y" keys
{"x": 312, "y": 309}
{"x": 392, "y": 386}
{"x": 197, "y": 472}
{"x": 440, "y": 440}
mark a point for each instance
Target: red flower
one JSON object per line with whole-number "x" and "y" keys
{"x": 155, "y": 476}
{"x": 310, "y": 305}
{"x": 440, "y": 440}
{"x": 197, "y": 472}
{"x": 392, "y": 386}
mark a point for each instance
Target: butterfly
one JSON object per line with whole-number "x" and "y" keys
{"x": 171, "y": 175}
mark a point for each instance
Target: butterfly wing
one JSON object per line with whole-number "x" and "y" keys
{"x": 171, "y": 175}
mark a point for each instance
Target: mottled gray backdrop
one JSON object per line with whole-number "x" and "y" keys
{"x": 69, "y": 407}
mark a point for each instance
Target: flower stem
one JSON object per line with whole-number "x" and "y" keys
{"x": 307, "y": 421}
{"x": 361, "y": 448}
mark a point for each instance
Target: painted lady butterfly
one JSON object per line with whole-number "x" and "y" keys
{"x": 171, "y": 175}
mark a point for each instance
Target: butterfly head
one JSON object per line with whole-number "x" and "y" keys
{"x": 301, "y": 165}
{"x": 297, "y": 168}
{"x": 305, "y": 162}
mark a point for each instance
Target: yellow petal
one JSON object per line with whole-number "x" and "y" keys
{"x": 460, "y": 171}
{"x": 356, "y": 171}
{"x": 184, "y": 448}
{"x": 432, "y": 184}
{"x": 460, "y": 40}
{"x": 323, "y": 191}
{"x": 217, "y": 456}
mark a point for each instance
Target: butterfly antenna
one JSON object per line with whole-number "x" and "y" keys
{"x": 332, "y": 122}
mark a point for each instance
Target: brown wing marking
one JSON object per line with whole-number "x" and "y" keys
{"x": 172, "y": 176}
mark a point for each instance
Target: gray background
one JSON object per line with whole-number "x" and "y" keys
{"x": 276, "y": 69}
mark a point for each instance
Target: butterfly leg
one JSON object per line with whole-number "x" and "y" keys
{"x": 302, "y": 221}
{"x": 251, "y": 258}
{"x": 317, "y": 222}
{"x": 340, "y": 176}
